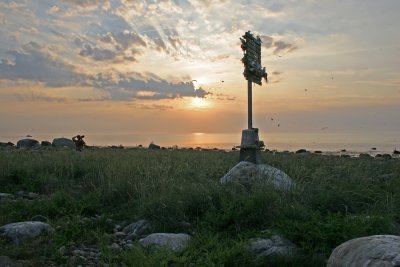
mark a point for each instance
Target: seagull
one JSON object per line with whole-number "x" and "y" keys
{"x": 305, "y": 89}
{"x": 279, "y": 124}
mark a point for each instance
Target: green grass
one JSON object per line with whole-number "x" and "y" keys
{"x": 335, "y": 199}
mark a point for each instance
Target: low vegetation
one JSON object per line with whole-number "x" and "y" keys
{"x": 336, "y": 199}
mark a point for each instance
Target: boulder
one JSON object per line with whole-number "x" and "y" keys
{"x": 138, "y": 228}
{"x": 154, "y": 146}
{"x": 274, "y": 246}
{"x": 371, "y": 251}
{"x": 27, "y": 143}
{"x": 247, "y": 173}
{"x": 8, "y": 144}
{"x": 175, "y": 242}
{"x": 63, "y": 142}
{"x": 45, "y": 143}
{"x": 301, "y": 151}
{"x": 20, "y": 231}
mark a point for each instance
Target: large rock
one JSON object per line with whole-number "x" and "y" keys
{"x": 175, "y": 242}
{"x": 8, "y": 144}
{"x": 370, "y": 251}
{"x": 274, "y": 246}
{"x": 63, "y": 142}
{"x": 45, "y": 143}
{"x": 20, "y": 231}
{"x": 154, "y": 146}
{"x": 27, "y": 143}
{"x": 247, "y": 173}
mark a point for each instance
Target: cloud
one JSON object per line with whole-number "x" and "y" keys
{"x": 124, "y": 45}
{"x": 149, "y": 87}
{"x": 278, "y": 46}
{"x": 97, "y": 53}
{"x": 32, "y": 62}
{"x": 281, "y": 46}
{"x": 36, "y": 96}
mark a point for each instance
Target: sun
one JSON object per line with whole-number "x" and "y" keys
{"x": 198, "y": 102}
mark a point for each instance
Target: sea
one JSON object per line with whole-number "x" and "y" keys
{"x": 367, "y": 142}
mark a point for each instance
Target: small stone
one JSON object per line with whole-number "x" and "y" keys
{"x": 117, "y": 228}
{"x": 115, "y": 247}
{"x": 276, "y": 245}
{"x": 27, "y": 195}
{"x": 139, "y": 228}
{"x": 62, "y": 250}
{"x": 175, "y": 242}
{"x": 78, "y": 252}
{"x": 4, "y": 196}
{"x": 119, "y": 234}
{"x": 132, "y": 236}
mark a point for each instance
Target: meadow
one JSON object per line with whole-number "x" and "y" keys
{"x": 335, "y": 199}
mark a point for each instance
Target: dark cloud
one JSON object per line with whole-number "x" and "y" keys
{"x": 275, "y": 77}
{"x": 154, "y": 88}
{"x": 126, "y": 39}
{"x": 267, "y": 41}
{"x": 278, "y": 46}
{"x": 32, "y": 62}
{"x": 97, "y": 53}
{"x": 276, "y": 73}
{"x": 125, "y": 44}
{"x": 281, "y": 46}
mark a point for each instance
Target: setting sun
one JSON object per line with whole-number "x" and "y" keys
{"x": 198, "y": 102}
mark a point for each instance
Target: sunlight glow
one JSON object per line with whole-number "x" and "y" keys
{"x": 198, "y": 102}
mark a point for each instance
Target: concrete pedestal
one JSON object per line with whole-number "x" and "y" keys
{"x": 250, "y": 146}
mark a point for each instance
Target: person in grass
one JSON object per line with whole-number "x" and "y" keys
{"x": 79, "y": 143}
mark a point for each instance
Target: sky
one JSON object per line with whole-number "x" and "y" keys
{"x": 172, "y": 67}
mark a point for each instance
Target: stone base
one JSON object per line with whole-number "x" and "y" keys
{"x": 250, "y": 146}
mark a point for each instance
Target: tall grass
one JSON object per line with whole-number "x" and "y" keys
{"x": 335, "y": 199}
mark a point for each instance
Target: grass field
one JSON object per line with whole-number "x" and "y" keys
{"x": 336, "y": 199}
